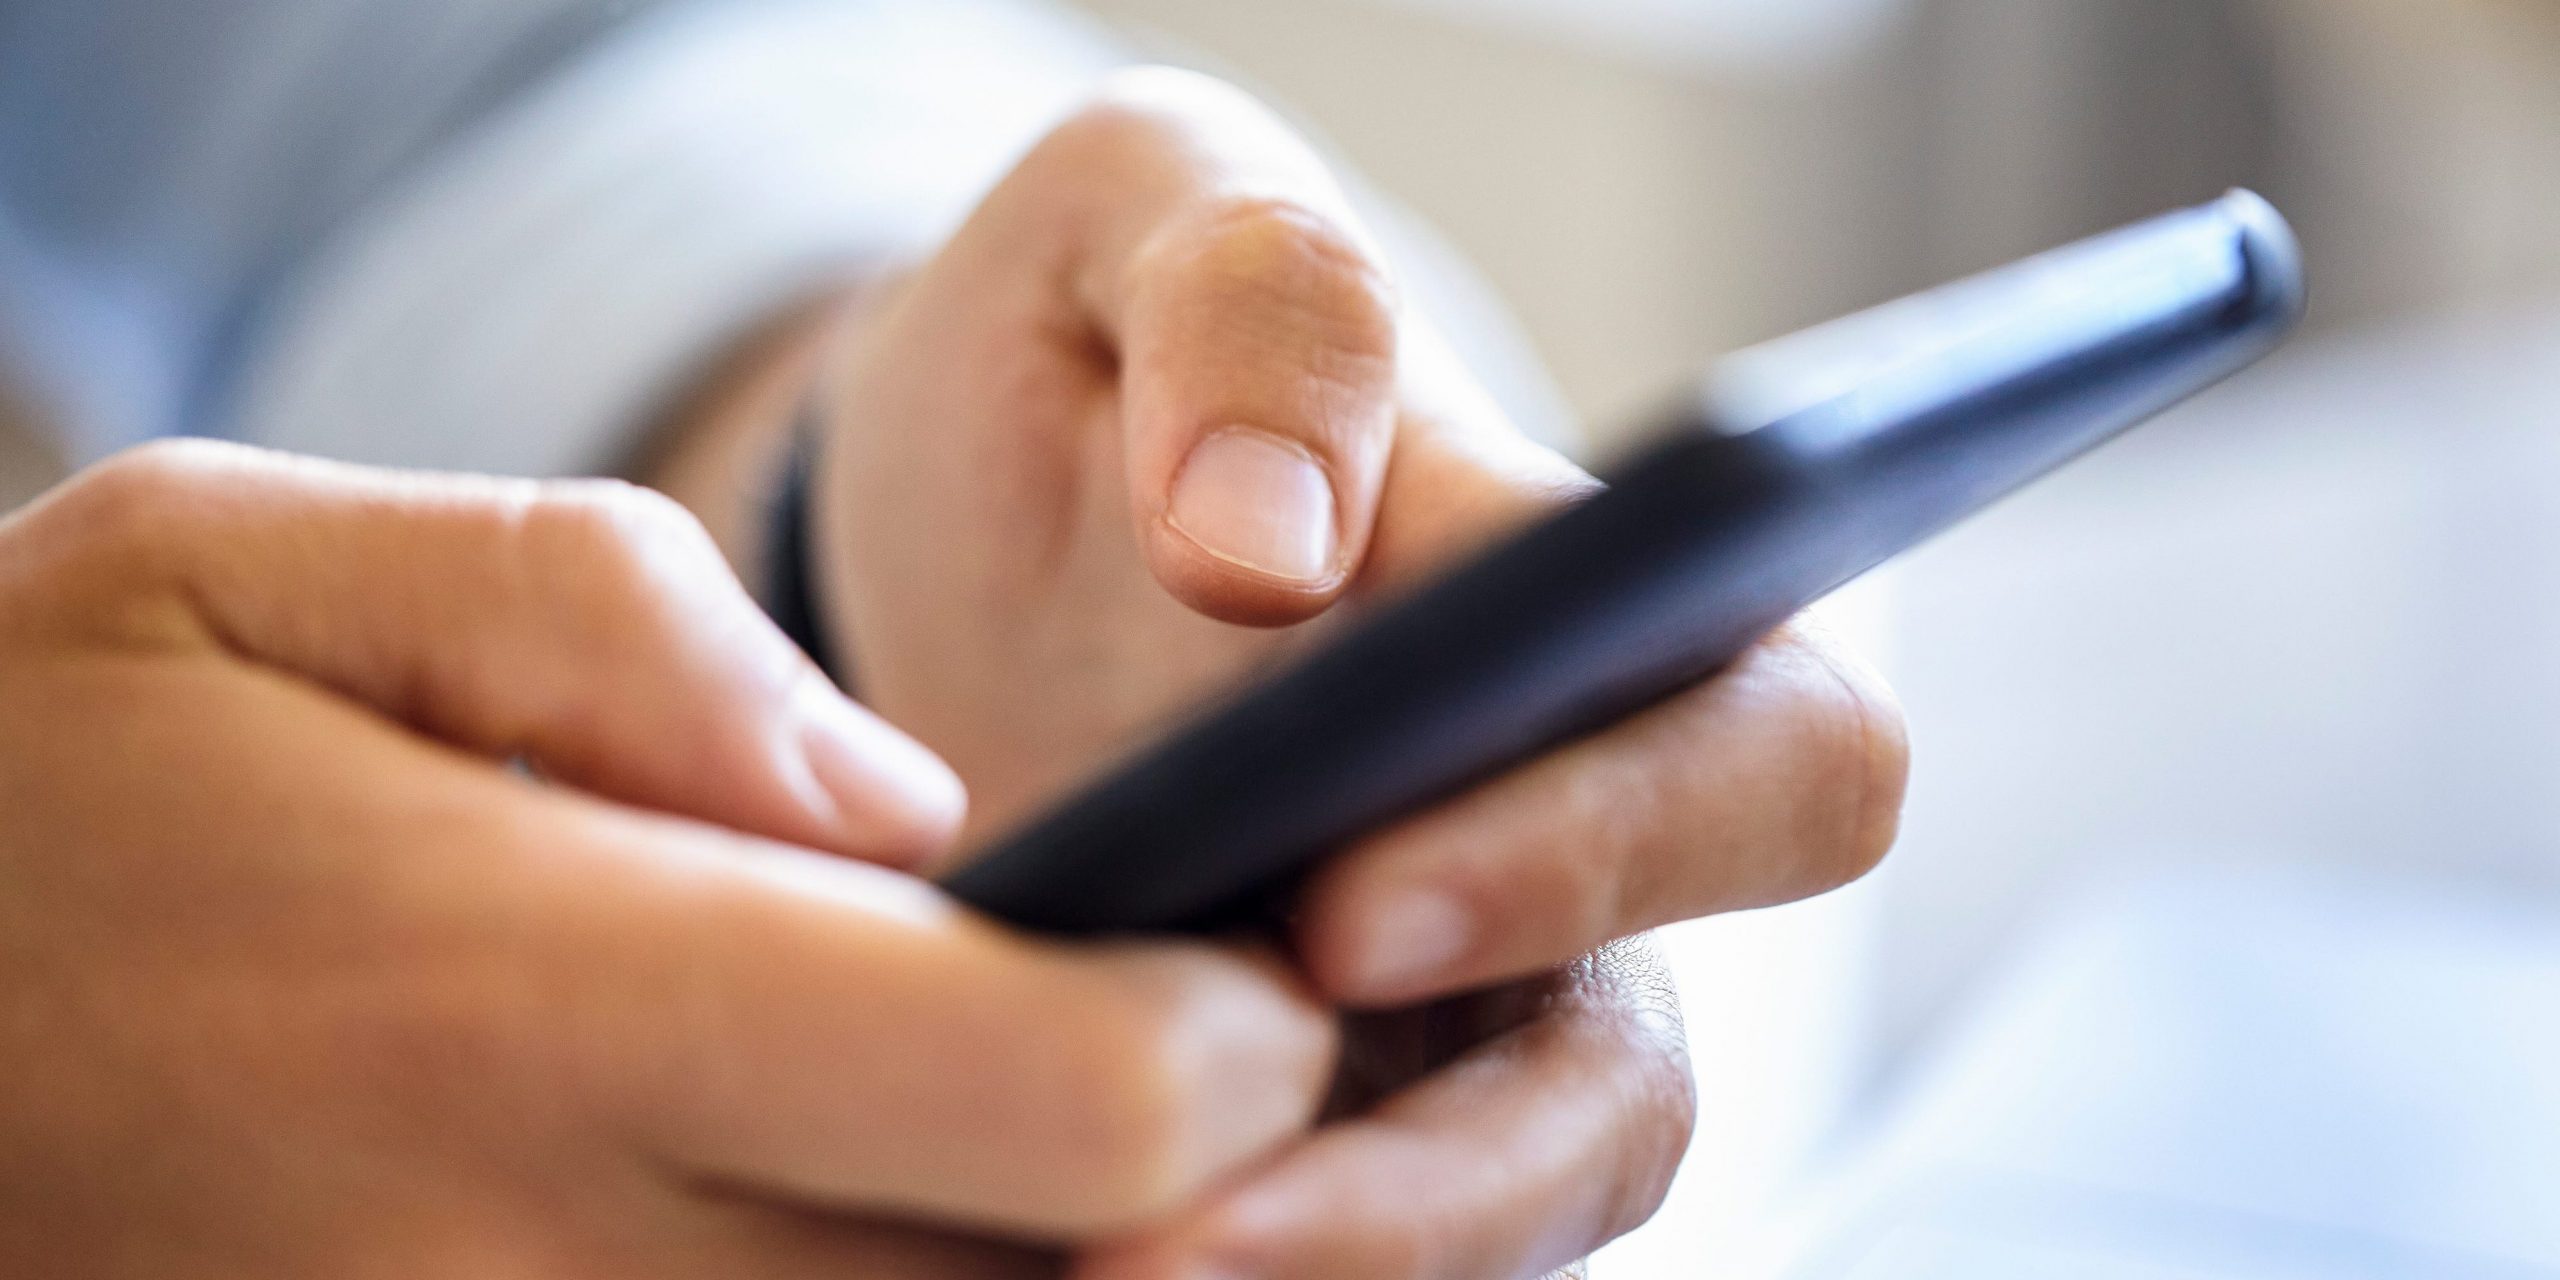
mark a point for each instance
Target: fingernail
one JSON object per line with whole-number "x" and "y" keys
{"x": 892, "y": 797}
{"x": 1253, "y": 499}
{"x": 1412, "y": 938}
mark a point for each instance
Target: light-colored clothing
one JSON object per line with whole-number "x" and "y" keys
{"x": 500, "y": 235}
{"x": 489, "y": 234}
{"x": 166, "y": 167}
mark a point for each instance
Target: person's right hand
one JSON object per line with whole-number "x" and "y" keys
{"x": 298, "y": 978}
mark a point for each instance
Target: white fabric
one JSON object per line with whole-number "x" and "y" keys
{"x": 506, "y": 235}
{"x": 523, "y": 305}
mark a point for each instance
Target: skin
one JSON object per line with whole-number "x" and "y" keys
{"x": 298, "y": 978}
{"x": 1006, "y": 433}
{"x": 301, "y": 977}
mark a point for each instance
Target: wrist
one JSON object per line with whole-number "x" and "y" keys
{"x": 724, "y": 449}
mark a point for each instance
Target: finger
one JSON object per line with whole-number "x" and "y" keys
{"x": 1527, "y": 1153}
{"x": 543, "y": 975}
{"x": 590, "y": 627}
{"x": 755, "y": 1241}
{"x": 1778, "y": 779}
{"x": 1256, "y": 334}
{"x": 793, "y": 1027}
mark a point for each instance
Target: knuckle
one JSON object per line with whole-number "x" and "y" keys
{"x": 1665, "y": 1103}
{"x": 617, "y": 510}
{"x": 618, "y": 536}
{"x": 1143, "y": 112}
{"x": 1657, "y": 1102}
{"x": 139, "y": 494}
{"x": 1638, "y": 982}
{"x": 1289, "y": 267}
{"x": 115, "y": 535}
{"x": 1288, "y": 237}
{"x": 1104, "y": 136}
{"x": 1650, "y": 1177}
{"x": 1631, "y": 978}
{"x": 598, "y": 554}
{"x": 1137, "y": 119}
{"x": 1645, "y": 1180}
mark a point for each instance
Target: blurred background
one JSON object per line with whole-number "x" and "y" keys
{"x": 2224, "y": 939}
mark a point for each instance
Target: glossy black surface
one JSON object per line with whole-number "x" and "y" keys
{"x": 1795, "y": 467}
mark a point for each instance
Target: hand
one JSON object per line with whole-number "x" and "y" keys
{"x": 1135, "y": 433}
{"x": 298, "y": 978}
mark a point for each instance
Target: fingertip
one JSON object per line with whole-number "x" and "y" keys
{"x": 1223, "y": 593}
{"x": 887, "y": 797}
{"x": 1385, "y": 946}
{"x": 1252, "y": 530}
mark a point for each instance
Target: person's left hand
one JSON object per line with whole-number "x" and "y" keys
{"x": 1127, "y": 438}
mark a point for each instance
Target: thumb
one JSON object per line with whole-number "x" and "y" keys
{"x": 1258, "y": 342}
{"x": 589, "y": 627}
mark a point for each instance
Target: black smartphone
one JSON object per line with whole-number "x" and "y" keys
{"x": 1791, "y": 469}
